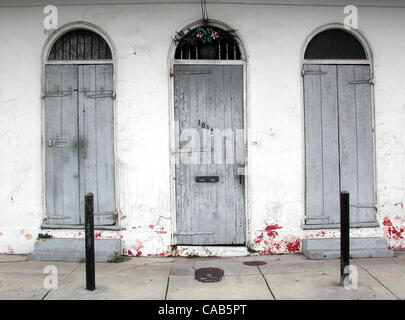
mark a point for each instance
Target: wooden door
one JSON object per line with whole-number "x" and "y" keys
{"x": 210, "y": 200}
{"x": 339, "y": 142}
{"x": 80, "y": 152}
{"x": 61, "y": 145}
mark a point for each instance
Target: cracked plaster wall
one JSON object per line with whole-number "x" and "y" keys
{"x": 273, "y": 37}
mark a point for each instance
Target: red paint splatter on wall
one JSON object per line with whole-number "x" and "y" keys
{"x": 151, "y": 226}
{"x": 130, "y": 252}
{"x": 97, "y": 235}
{"x": 271, "y": 230}
{"x": 259, "y": 238}
{"x": 394, "y": 234}
{"x": 293, "y": 246}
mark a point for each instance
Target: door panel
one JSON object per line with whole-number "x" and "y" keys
{"x": 322, "y": 151}
{"x": 339, "y": 142}
{"x": 209, "y": 108}
{"x": 96, "y": 140}
{"x": 356, "y": 141}
{"x": 61, "y": 145}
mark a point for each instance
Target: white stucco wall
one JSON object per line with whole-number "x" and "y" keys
{"x": 273, "y": 37}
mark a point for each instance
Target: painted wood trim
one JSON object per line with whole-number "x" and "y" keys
{"x": 79, "y": 62}
{"x": 336, "y": 61}
{"x": 209, "y": 62}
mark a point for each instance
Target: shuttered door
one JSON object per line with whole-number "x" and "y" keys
{"x": 80, "y": 148}
{"x": 356, "y": 141}
{"x": 96, "y": 155}
{"x": 61, "y": 149}
{"x": 208, "y": 101}
{"x": 339, "y": 142}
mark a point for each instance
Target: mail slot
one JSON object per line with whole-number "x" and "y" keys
{"x": 58, "y": 143}
{"x": 207, "y": 179}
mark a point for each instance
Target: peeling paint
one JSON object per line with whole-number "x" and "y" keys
{"x": 144, "y": 200}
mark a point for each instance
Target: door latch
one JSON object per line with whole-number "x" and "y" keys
{"x": 241, "y": 174}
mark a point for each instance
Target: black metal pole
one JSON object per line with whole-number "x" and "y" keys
{"x": 89, "y": 242}
{"x": 344, "y": 235}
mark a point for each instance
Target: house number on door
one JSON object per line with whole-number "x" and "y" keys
{"x": 203, "y": 125}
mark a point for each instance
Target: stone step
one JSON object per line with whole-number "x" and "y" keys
{"x": 73, "y": 249}
{"x": 318, "y": 249}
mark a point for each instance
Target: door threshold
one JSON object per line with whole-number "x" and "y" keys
{"x": 75, "y": 226}
{"x": 212, "y": 251}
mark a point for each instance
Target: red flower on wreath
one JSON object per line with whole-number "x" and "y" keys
{"x": 214, "y": 35}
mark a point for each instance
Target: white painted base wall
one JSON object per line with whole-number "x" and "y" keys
{"x": 273, "y": 36}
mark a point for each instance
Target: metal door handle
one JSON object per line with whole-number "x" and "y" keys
{"x": 241, "y": 174}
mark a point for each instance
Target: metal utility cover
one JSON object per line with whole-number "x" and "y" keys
{"x": 255, "y": 263}
{"x": 209, "y": 275}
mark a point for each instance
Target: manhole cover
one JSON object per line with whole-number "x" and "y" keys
{"x": 208, "y": 275}
{"x": 254, "y": 263}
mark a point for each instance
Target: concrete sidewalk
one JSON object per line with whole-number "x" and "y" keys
{"x": 283, "y": 277}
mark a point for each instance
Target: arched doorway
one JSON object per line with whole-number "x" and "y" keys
{"x": 78, "y": 95}
{"x": 208, "y": 64}
{"x": 339, "y": 138}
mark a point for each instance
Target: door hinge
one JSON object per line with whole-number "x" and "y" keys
{"x": 312, "y": 73}
{"x": 369, "y": 81}
{"x": 186, "y": 73}
{"x": 185, "y": 233}
{"x": 363, "y": 206}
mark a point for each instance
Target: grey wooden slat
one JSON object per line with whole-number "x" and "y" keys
{"x": 229, "y": 202}
{"x": 330, "y": 147}
{"x": 198, "y": 110}
{"x": 365, "y": 145}
{"x": 348, "y": 136}
{"x": 219, "y": 211}
{"x": 313, "y": 146}
{"x": 53, "y": 159}
{"x": 236, "y": 85}
{"x": 82, "y": 142}
{"x": 62, "y": 185}
{"x": 88, "y": 135}
{"x": 183, "y": 179}
{"x": 105, "y": 144}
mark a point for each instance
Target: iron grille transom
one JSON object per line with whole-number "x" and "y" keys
{"x": 207, "y": 43}
{"x": 80, "y": 45}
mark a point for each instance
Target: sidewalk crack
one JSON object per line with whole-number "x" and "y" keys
{"x": 62, "y": 280}
{"x": 267, "y": 284}
{"x": 382, "y": 284}
{"x": 168, "y": 281}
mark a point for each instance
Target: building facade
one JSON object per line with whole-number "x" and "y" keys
{"x": 127, "y": 101}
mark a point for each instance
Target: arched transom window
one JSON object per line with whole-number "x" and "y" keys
{"x": 335, "y": 44}
{"x": 80, "y": 44}
{"x": 207, "y": 42}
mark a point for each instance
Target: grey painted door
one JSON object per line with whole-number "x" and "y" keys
{"x": 339, "y": 142}
{"x": 80, "y": 148}
{"x": 209, "y": 143}
{"x": 61, "y": 145}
